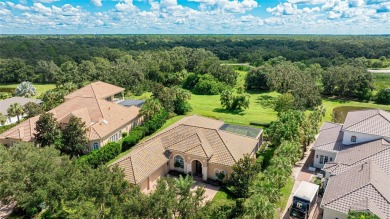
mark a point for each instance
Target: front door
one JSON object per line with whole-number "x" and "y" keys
{"x": 198, "y": 168}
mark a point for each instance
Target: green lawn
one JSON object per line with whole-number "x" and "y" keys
{"x": 330, "y": 104}
{"x": 285, "y": 192}
{"x": 209, "y": 105}
{"x": 41, "y": 88}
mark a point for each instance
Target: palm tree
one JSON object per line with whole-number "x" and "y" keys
{"x": 15, "y": 109}
{"x": 25, "y": 89}
{"x": 3, "y": 119}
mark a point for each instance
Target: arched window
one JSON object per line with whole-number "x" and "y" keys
{"x": 353, "y": 138}
{"x": 216, "y": 171}
{"x": 179, "y": 162}
{"x": 95, "y": 145}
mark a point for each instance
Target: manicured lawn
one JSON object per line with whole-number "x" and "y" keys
{"x": 41, "y": 88}
{"x": 330, "y": 104}
{"x": 209, "y": 105}
{"x": 284, "y": 195}
{"x": 222, "y": 195}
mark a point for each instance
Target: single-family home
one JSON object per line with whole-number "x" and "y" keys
{"x": 198, "y": 145}
{"x": 355, "y": 157}
{"x": 96, "y": 105}
{"x": 5, "y": 104}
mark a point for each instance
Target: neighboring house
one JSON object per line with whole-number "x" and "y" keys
{"x": 355, "y": 157}
{"x": 202, "y": 146}
{"x": 5, "y": 104}
{"x": 95, "y": 105}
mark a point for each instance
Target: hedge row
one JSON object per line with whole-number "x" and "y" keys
{"x": 147, "y": 128}
{"x": 113, "y": 149}
{"x": 102, "y": 155}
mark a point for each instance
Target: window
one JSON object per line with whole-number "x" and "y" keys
{"x": 316, "y": 155}
{"x": 353, "y": 139}
{"x": 95, "y": 145}
{"x": 330, "y": 159}
{"x": 216, "y": 173}
{"x": 219, "y": 174}
{"x": 326, "y": 159}
{"x": 120, "y": 134}
{"x": 179, "y": 162}
{"x": 114, "y": 138}
{"x": 321, "y": 159}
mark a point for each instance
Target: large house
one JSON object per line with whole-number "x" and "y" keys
{"x": 198, "y": 145}
{"x": 355, "y": 157}
{"x": 96, "y": 105}
{"x": 5, "y": 104}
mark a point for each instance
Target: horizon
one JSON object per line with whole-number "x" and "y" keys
{"x": 199, "y": 17}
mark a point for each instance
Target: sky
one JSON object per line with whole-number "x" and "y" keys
{"x": 195, "y": 17}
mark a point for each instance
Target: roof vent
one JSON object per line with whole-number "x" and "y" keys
{"x": 105, "y": 121}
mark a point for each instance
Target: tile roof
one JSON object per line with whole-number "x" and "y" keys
{"x": 101, "y": 117}
{"x": 99, "y": 90}
{"x": 4, "y": 104}
{"x": 347, "y": 190}
{"x": 330, "y": 138}
{"x": 193, "y": 135}
{"x": 374, "y": 122}
{"x": 377, "y": 151}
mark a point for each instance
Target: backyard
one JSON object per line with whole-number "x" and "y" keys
{"x": 41, "y": 88}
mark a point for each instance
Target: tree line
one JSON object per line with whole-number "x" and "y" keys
{"x": 325, "y": 50}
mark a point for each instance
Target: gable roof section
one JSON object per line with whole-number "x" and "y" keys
{"x": 23, "y": 131}
{"x": 99, "y": 90}
{"x": 377, "y": 151}
{"x": 330, "y": 138}
{"x": 367, "y": 204}
{"x": 187, "y": 136}
{"x": 4, "y": 104}
{"x": 373, "y": 122}
{"x": 360, "y": 182}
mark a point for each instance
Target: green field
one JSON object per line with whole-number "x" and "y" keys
{"x": 381, "y": 81}
{"x": 41, "y": 88}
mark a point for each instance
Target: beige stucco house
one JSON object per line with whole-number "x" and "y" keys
{"x": 355, "y": 157}
{"x": 198, "y": 145}
{"x": 96, "y": 105}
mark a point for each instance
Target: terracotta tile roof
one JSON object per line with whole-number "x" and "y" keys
{"x": 330, "y": 138}
{"x": 4, "y": 104}
{"x": 97, "y": 89}
{"x": 374, "y": 122}
{"x": 188, "y": 136}
{"x": 23, "y": 131}
{"x": 142, "y": 161}
{"x": 101, "y": 117}
{"x": 346, "y": 191}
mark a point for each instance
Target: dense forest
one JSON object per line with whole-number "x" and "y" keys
{"x": 325, "y": 50}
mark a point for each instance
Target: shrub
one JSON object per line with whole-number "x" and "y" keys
{"x": 133, "y": 138}
{"x": 147, "y": 128}
{"x": 124, "y": 134}
{"x": 208, "y": 85}
{"x": 383, "y": 96}
{"x": 102, "y": 155}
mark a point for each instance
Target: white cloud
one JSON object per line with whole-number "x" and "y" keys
{"x": 234, "y": 6}
{"x": 46, "y": 1}
{"x": 11, "y": 4}
{"x": 21, "y": 7}
{"x": 309, "y": 2}
{"x": 40, "y": 8}
{"x": 97, "y": 3}
{"x": 126, "y": 6}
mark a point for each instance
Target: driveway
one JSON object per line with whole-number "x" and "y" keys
{"x": 210, "y": 190}
{"x": 301, "y": 173}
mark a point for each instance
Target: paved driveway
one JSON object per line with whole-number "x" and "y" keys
{"x": 210, "y": 190}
